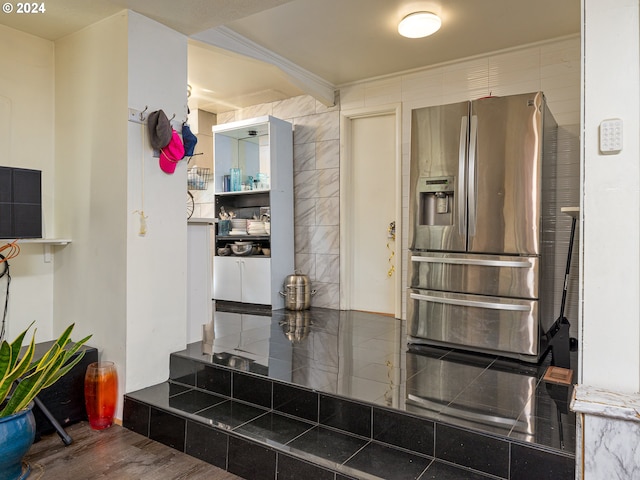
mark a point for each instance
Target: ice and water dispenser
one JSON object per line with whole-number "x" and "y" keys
{"x": 436, "y": 200}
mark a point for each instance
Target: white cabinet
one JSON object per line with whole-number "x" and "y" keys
{"x": 243, "y": 279}
{"x": 198, "y": 276}
{"x": 259, "y": 153}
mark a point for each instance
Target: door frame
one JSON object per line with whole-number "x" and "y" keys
{"x": 346, "y": 206}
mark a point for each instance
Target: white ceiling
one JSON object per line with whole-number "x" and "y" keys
{"x": 275, "y": 49}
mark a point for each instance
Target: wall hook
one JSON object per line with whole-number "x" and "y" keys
{"x": 146, "y": 107}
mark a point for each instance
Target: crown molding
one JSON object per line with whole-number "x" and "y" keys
{"x": 224, "y": 37}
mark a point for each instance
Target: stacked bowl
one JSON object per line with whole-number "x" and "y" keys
{"x": 238, "y": 226}
{"x": 256, "y": 227}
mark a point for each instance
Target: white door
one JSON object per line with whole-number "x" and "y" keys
{"x": 371, "y": 204}
{"x": 256, "y": 280}
{"x": 226, "y": 279}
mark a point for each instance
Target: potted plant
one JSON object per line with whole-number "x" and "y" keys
{"x": 22, "y": 377}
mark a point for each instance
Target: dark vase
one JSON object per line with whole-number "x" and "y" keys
{"x": 17, "y": 433}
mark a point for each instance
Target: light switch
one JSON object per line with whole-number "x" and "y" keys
{"x": 611, "y": 136}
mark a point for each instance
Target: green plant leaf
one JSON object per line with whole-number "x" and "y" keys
{"x": 16, "y": 345}
{"x": 18, "y": 370}
{"x": 29, "y": 377}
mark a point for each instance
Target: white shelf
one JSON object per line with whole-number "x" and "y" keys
{"x": 244, "y": 192}
{"x": 46, "y": 243}
{"x": 43, "y": 241}
{"x": 571, "y": 211}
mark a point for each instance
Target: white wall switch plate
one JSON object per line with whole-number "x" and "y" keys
{"x": 611, "y": 136}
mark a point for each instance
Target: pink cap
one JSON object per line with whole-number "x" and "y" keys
{"x": 172, "y": 153}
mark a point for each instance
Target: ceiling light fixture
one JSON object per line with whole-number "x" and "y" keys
{"x": 419, "y": 24}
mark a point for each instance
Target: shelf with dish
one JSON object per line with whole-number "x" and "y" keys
{"x": 249, "y": 238}
{"x": 253, "y": 192}
{"x": 243, "y": 192}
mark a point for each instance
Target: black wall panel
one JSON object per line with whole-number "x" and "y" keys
{"x": 20, "y": 203}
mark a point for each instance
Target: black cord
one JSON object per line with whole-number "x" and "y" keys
{"x": 6, "y": 272}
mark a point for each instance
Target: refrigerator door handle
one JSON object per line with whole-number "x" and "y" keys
{"x": 473, "y": 261}
{"x": 471, "y": 303}
{"x": 462, "y": 157}
{"x": 473, "y": 146}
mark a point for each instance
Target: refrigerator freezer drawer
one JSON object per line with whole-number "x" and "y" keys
{"x": 499, "y": 276}
{"x": 485, "y": 324}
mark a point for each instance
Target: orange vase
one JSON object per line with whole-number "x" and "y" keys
{"x": 101, "y": 394}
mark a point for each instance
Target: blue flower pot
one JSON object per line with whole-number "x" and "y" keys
{"x": 17, "y": 433}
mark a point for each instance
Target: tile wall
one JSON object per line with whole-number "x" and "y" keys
{"x": 316, "y": 162}
{"x": 553, "y": 67}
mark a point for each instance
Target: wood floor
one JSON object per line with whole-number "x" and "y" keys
{"x": 115, "y": 453}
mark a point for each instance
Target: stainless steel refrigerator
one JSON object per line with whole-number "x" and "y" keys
{"x": 482, "y": 225}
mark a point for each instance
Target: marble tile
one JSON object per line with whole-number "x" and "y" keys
{"x": 295, "y": 107}
{"x": 327, "y": 211}
{"x": 305, "y": 212}
{"x": 256, "y": 111}
{"x": 328, "y": 154}
{"x": 327, "y": 295}
{"x": 608, "y": 420}
{"x": 303, "y": 236}
{"x": 326, "y": 239}
{"x": 598, "y": 401}
{"x": 306, "y": 263}
{"x": 328, "y": 182}
{"x": 305, "y": 184}
{"x": 297, "y": 402}
{"x": 226, "y": 117}
{"x": 317, "y": 128}
{"x": 327, "y": 268}
{"x": 304, "y": 157}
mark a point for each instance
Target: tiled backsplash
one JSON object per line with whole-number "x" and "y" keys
{"x": 553, "y": 67}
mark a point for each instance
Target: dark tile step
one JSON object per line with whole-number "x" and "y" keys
{"x": 258, "y": 444}
{"x": 290, "y": 424}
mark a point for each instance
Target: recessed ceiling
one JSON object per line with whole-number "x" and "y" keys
{"x": 336, "y": 41}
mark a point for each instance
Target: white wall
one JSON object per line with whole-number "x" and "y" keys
{"x": 156, "y": 304}
{"x": 611, "y": 330}
{"x": 91, "y": 186}
{"x": 127, "y": 289}
{"x": 26, "y": 140}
